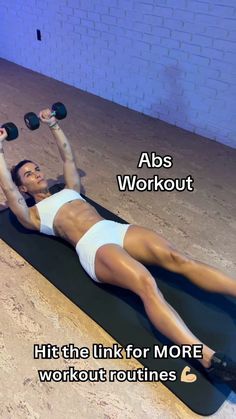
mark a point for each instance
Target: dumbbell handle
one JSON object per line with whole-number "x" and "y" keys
{"x": 52, "y": 114}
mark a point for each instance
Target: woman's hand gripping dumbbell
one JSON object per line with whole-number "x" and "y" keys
{"x": 48, "y": 116}
{"x": 8, "y": 131}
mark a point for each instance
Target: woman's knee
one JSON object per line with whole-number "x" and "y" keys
{"x": 171, "y": 259}
{"x": 179, "y": 261}
{"x": 148, "y": 287}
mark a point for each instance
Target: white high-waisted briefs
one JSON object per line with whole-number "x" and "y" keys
{"x": 103, "y": 232}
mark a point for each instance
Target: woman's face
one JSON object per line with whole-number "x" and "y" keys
{"x": 32, "y": 178}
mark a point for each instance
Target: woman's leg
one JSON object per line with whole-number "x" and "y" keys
{"x": 113, "y": 265}
{"x": 148, "y": 247}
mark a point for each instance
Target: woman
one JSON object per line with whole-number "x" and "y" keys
{"x": 111, "y": 252}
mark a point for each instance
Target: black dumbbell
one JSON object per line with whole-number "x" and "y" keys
{"x": 32, "y": 121}
{"x": 12, "y": 131}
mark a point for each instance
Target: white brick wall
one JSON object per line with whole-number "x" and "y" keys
{"x": 170, "y": 59}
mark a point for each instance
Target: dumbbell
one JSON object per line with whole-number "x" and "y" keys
{"x": 12, "y": 131}
{"x": 32, "y": 121}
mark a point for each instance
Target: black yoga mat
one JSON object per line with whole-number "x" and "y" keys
{"x": 210, "y": 316}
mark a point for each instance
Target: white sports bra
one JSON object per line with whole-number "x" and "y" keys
{"x": 48, "y": 207}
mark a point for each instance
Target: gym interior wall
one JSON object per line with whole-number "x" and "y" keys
{"x": 171, "y": 60}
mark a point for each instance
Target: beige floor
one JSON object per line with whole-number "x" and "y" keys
{"x": 107, "y": 140}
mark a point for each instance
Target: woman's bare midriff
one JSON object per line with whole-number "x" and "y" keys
{"x": 72, "y": 220}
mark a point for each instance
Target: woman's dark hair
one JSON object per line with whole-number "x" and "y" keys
{"x": 15, "y": 171}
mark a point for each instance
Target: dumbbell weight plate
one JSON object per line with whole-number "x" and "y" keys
{"x": 12, "y": 131}
{"x": 32, "y": 121}
{"x": 60, "y": 110}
